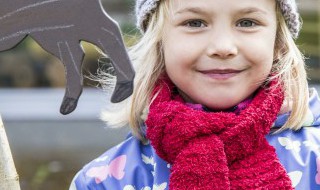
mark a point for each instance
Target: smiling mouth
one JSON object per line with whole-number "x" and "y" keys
{"x": 221, "y": 74}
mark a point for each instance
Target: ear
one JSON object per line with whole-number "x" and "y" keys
{"x": 59, "y": 26}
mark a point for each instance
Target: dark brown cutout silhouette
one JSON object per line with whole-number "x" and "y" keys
{"x": 58, "y": 26}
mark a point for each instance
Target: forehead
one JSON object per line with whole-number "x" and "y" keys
{"x": 222, "y": 5}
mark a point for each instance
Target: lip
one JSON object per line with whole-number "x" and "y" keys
{"x": 221, "y": 74}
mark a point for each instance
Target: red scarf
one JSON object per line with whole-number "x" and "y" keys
{"x": 220, "y": 150}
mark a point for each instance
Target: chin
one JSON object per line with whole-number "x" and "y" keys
{"x": 223, "y": 101}
{"x": 218, "y": 106}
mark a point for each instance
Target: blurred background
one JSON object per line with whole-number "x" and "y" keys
{"x": 49, "y": 148}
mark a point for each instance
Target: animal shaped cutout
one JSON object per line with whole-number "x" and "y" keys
{"x": 58, "y": 26}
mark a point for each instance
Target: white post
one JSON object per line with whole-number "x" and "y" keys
{"x": 9, "y": 179}
{"x": 318, "y": 10}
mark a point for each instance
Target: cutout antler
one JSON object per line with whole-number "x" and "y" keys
{"x": 59, "y": 26}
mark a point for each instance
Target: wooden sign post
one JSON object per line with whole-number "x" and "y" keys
{"x": 9, "y": 179}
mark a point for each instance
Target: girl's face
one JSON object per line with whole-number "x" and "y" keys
{"x": 218, "y": 52}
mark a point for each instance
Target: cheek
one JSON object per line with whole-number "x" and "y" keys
{"x": 259, "y": 48}
{"x": 261, "y": 56}
{"x": 179, "y": 56}
{"x": 181, "y": 48}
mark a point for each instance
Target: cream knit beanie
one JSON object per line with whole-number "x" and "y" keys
{"x": 145, "y": 8}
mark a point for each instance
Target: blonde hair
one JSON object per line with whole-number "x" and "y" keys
{"x": 148, "y": 61}
{"x": 289, "y": 66}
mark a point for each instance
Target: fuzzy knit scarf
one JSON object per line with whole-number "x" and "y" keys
{"x": 217, "y": 151}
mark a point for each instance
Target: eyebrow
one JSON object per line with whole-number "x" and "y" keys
{"x": 195, "y": 10}
{"x": 198, "y": 10}
{"x": 250, "y": 10}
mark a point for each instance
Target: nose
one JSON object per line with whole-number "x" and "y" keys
{"x": 222, "y": 45}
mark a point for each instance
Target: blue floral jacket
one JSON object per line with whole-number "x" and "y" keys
{"x": 133, "y": 165}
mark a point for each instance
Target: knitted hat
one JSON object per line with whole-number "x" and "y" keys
{"x": 145, "y": 8}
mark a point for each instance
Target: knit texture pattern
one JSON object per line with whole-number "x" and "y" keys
{"x": 217, "y": 150}
{"x": 145, "y": 8}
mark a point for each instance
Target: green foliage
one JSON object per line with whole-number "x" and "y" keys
{"x": 309, "y": 36}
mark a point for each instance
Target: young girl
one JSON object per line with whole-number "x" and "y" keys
{"x": 220, "y": 102}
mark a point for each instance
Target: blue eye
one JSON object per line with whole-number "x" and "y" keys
{"x": 246, "y": 23}
{"x": 195, "y": 23}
